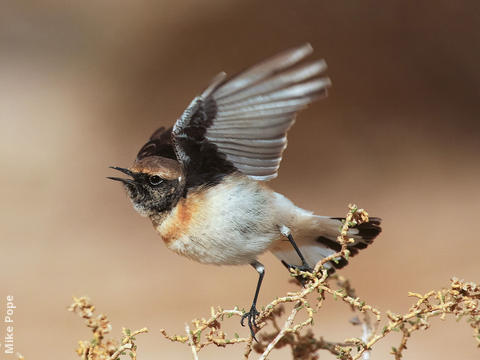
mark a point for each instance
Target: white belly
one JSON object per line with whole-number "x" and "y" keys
{"x": 230, "y": 223}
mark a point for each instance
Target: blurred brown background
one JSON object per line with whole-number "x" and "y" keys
{"x": 83, "y": 84}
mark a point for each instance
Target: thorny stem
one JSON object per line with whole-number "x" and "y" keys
{"x": 121, "y": 349}
{"x": 281, "y": 334}
{"x": 190, "y": 340}
{"x": 465, "y": 303}
{"x": 100, "y": 348}
{"x": 460, "y": 299}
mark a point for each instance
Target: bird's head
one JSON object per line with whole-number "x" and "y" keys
{"x": 154, "y": 186}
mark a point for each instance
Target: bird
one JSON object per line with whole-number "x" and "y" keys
{"x": 202, "y": 182}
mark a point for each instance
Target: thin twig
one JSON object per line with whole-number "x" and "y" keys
{"x": 190, "y": 340}
{"x": 460, "y": 299}
{"x": 365, "y": 336}
{"x": 281, "y": 334}
{"x": 119, "y": 351}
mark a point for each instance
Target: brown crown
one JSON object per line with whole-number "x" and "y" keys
{"x": 156, "y": 165}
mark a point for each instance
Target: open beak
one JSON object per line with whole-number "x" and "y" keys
{"x": 125, "y": 171}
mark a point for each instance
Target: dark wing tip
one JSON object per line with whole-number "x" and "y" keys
{"x": 160, "y": 144}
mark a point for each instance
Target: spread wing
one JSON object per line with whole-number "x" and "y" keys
{"x": 241, "y": 123}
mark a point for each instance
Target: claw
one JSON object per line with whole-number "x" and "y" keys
{"x": 304, "y": 267}
{"x": 251, "y": 320}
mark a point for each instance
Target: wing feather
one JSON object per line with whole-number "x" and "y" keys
{"x": 257, "y": 170}
{"x": 259, "y": 104}
{"x": 279, "y": 81}
{"x": 265, "y": 154}
{"x": 239, "y": 116}
{"x": 252, "y": 161}
{"x": 305, "y": 91}
{"x": 260, "y": 122}
{"x": 247, "y": 117}
{"x": 269, "y": 132}
{"x": 263, "y": 70}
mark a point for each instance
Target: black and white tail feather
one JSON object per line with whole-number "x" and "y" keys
{"x": 316, "y": 236}
{"x": 325, "y": 244}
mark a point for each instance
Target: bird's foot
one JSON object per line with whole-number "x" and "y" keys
{"x": 304, "y": 267}
{"x": 251, "y": 320}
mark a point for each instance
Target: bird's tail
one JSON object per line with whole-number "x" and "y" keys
{"x": 316, "y": 237}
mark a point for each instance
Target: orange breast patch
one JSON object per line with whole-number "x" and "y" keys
{"x": 178, "y": 224}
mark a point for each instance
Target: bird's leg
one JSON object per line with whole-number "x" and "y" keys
{"x": 304, "y": 267}
{"x": 253, "y": 313}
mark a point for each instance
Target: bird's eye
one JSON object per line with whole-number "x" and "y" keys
{"x": 155, "y": 180}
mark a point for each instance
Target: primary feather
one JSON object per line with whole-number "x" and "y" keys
{"x": 247, "y": 117}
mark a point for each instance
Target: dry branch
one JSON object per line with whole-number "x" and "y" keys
{"x": 100, "y": 348}
{"x": 460, "y": 299}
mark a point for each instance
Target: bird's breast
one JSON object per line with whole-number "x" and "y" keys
{"x": 229, "y": 223}
{"x": 177, "y": 224}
